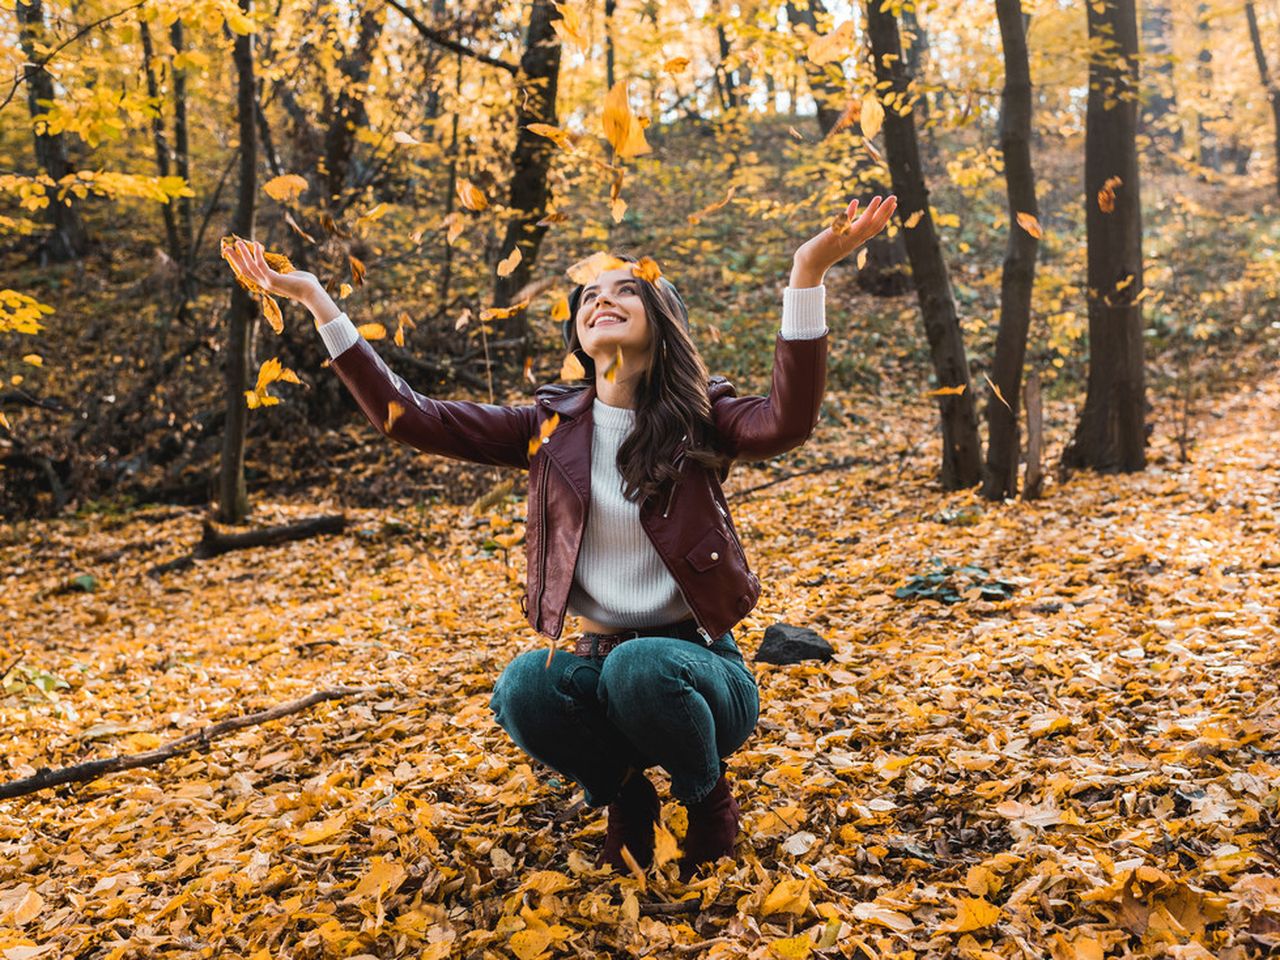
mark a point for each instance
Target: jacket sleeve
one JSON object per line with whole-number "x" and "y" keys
{"x": 757, "y": 428}
{"x": 479, "y": 432}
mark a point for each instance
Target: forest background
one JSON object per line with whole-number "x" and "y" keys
{"x": 1037, "y": 520}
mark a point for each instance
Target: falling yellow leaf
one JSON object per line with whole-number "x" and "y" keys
{"x": 344, "y": 291}
{"x": 374, "y": 215}
{"x": 286, "y": 187}
{"x": 560, "y": 137}
{"x": 1121, "y": 284}
{"x": 402, "y": 321}
{"x": 471, "y": 196}
{"x": 996, "y": 390}
{"x": 560, "y": 309}
{"x": 646, "y": 268}
{"x": 271, "y": 310}
{"x": 269, "y": 372}
{"x": 862, "y": 258}
{"x": 832, "y": 46}
{"x": 797, "y": 134}
{"x": 1107, "y": 195}
{"x": 621, "y": 128}
{"x": 4, "y": 422}
{"x": 372, "y": 331}
{"x": 454, "y": 223}
{"x": 406, "y": 138}
{"x": 676, "y": 65}
{"x": 572, "y": 368}
{"x": 357, "y": 270}
{"x": 34, "y": 359}
{"x": 585, "y": 271}
{"x": 872, "y": 117}
{"x": 611, "y": 374}
{"x": 912, "y": 220}
{"x": 510, "y": 262}
{"x": 463, "y": 319}
{"x": 569, "y": 27}
{"x": 618, "y": 210}
{"x": 1029, "y": 223}
{"x": 293, "y": 225}
{"x": 947, "y": 391}
{"x": 972, "y": 914}
{"x": 544, "y": 432}
{"x": 502, "y": 313}
{"x": 394, "y": 410}
{"x": 695, "y": 218}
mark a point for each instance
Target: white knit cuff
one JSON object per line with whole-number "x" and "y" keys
{"x": 804, "y": 312}
{"x": 339, "y": 334}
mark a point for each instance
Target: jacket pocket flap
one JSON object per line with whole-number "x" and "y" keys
{"x": 709, "y": 551}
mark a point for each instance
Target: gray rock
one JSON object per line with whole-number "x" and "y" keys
{"x": 784, "y": 643}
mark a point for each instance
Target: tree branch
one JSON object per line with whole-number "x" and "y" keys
{"x": 435, "y": 36}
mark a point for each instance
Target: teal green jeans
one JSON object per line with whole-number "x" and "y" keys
{"x": 651, "y": 701}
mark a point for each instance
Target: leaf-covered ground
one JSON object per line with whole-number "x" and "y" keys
{"x": 1088, "y": 768}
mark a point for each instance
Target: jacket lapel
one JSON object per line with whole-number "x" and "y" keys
{"x": 570, "y": 445}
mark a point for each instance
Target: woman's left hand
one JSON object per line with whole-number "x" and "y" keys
{"x": 816, "y": 255}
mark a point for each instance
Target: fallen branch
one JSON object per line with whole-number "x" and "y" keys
{"x": 44, "y": 778}
{"x": 214, "y": 543}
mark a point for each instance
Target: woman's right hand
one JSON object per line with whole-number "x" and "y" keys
{"x": 247, "y": 257}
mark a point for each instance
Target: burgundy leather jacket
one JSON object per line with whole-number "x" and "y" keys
{"x": 689, "y": 526}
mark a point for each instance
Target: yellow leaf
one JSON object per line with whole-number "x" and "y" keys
{"x": 357, "y": 270}
{"x": 394, "y": 410}
{"x": 885, "y": 917}
{"x": 695, "y": 218}
{"x": 471, "y": 196}
{"x": 463, "y": 319}
{"x": 646, "y": 268}
{"x": 1029, "y": 223}
{"x": 618, "y": 209}
{"x": 544, "y": 433}
{"x": 872, "y": 117}
{"x": 455, "y": 223}
{"x": 572, "y": 368}
{"x": 862, "y": 258}
{"x": 4, "y": 422}
{"x": 947, "y": 391}
{"x": 271, "y": 310}
{"x": 972, "y": 914}
{"x": 584, "y": 271}
{"x": 789, "y": 896}
{"x": 832, "y": 46}
{"x": 34, "y": 359}
{"x": 996, "y": 390}
{"x": 28, "y": 908}
{"x": 611, "y": 374}
{"x": 320, "y": 832}
{"x": 621, "y": 128}
{"x": 546, "y": 881}
{"x": 560, "y": 309}
{"x": 286, "y": 187}
{"x": 381, "y": 879}
{"x": 569, "y": 27}
{"x": 344, "y": 291}
{"x": 792, "y": 948}
{"x": 676, "y": 65}
{"x": 510, "y": 262}
{"x": 560, "y": 137}
{"x": 912, "y": 220}
{"x": 374, "y": 215}
{"x": 372, "y": 331}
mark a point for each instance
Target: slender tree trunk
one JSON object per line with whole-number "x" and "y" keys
{"x": 1001, "y": 476}
{"x": 1159, "y": 118}
{"x": 182, "y": 150}
{"x": 68, "y": 241}
{"x": 917, "y": 52}
{"x": 349, "y": 113}
{"x": 233, "y": 500}
{"x": 159, "y": 141}
{"x": 531, "y": 160}
{"x": 1111, "y": 434}
{"x": 1206, "y": 141}
{"x": 827, "y": 93}
{"x": 1273, "y": 89}
{"x": 961, "y": 449}
{"x": 610, "y": 7}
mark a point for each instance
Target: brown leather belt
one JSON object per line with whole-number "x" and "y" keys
{"x": 599, "y": 644}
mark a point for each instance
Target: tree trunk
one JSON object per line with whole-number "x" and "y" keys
{"x": 961, "y": 450}
{"x": 531, "y": 160}
{"x": 827, "y": 93}
{"x": 1273, "y": 90}
{"x": 182, "y": 149}
{"x": 68, "y": 241}
{"x": 159, "y": 141}
{"x": 233, "y": 499}
{"x": 1111, "y": 433}
{"x": 349, "y": 113}
{"x": 1206, "y": 141}
{"x": 610, "y": 7}
{"x": 1001, "y": 476}
{"x": 1160, "y": 118}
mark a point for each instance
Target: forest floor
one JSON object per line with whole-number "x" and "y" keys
{"x": 1083, "y": 761}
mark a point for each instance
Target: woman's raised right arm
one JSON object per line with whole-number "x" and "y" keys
{"x": 465, "y": 430}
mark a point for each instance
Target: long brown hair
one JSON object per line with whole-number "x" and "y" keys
{"x": 672, "y": 402}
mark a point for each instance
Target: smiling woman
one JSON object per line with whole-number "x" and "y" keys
{"x": 628, "y": 527}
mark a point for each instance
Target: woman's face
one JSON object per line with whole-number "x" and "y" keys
{"x": 610, "y": 316}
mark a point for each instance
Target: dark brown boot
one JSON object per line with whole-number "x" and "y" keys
{"x": 632, "y": 816}
{"x": 713, "y": 828}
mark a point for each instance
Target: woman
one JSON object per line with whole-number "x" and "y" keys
{"x": 628, "y": 529}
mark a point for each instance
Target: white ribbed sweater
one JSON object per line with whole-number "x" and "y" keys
{"x": 619, "y": 578}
